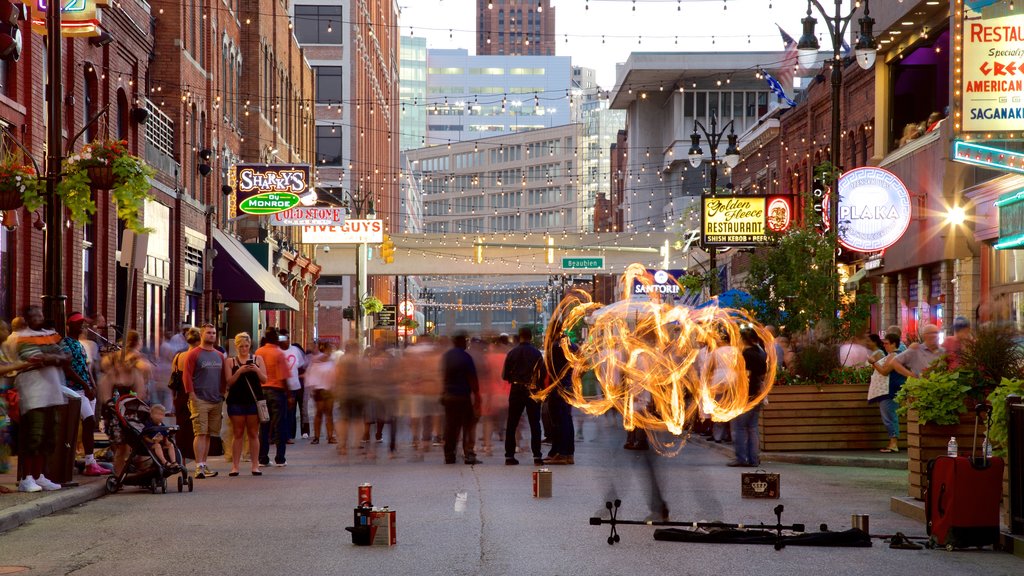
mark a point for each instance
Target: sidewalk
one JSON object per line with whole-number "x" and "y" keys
{"x": 855, "y": 458}
{"x": 17, "y": 508}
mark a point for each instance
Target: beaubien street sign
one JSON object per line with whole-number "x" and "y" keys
{"x": 592, "y": 263}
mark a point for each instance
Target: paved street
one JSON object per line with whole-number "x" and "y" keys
{"x": 292, "y": 520}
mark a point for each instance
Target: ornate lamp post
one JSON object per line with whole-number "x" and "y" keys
{"x": 865, "y": 52}
{"x": 732, "y": 158}
{"x": 360, "y": 205}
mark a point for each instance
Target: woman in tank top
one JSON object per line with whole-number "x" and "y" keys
{"x": 245, "y": 374}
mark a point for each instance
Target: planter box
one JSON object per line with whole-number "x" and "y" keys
{"x": 832, "y": 417}
{"x": 927, "y": 441}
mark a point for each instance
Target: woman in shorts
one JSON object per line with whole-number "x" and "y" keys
{"x": 245, "y": 375}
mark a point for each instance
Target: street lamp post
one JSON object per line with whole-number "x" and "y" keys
{"x": 360, "y": 205}
{"x": 54, "y": 298}
{"x": 865, "y": 52}
{"x": 732, "y": 158}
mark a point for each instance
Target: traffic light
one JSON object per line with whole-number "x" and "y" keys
{"x": 348, "y": 313}
{"x": 540, "y": 305}
{"x": 10, "y": 33}
{"x": 387, "y": 250}
{"x": 460, "y": 304}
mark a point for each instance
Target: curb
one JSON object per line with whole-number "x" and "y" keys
{"x": 15, "y": 516}
{"x": 810, "y": 459}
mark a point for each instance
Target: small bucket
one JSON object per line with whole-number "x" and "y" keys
{"x": 860, "y": 522}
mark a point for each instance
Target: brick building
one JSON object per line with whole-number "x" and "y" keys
{"x": 515, "y": 28}
{"x": 169, "y": 76}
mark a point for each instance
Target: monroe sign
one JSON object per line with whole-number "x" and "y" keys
{"x": 264, "y": 189}
{"x": 874, "y": 209}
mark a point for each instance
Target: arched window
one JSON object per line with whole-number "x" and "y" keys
{"x": 122, "y": 114}
{"x": 91, "y": 100}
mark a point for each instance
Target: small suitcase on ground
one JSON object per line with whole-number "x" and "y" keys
{"x": 963, "y": 497}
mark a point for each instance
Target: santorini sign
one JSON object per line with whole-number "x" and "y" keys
{"x": 874, "y": 209}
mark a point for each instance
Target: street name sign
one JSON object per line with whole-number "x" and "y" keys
{"x": 590, "y": 263}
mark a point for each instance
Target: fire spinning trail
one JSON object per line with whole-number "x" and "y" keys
{"x": 657, "y": 364}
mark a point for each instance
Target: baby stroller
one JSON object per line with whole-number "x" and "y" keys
{"x": 142, "y": 468}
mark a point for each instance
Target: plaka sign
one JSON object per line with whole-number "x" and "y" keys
{"x": 874, "y": 209}
{"x": 264, "y": 189}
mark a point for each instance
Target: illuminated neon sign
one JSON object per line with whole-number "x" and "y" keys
{"x": 79, "y": 18}
{"x": 988, "y": 156}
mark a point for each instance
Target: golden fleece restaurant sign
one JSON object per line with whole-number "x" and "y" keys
{"x": 746, "y": 220}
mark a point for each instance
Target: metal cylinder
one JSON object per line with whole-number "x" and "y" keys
{"x": 365, "y": 495}
{"x": 860, "y": 522}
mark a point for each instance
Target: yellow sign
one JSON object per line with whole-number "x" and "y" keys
{"x": 991, "y": 81}
{"x": 734, "y": 220}
{"x": 78, "y": 18}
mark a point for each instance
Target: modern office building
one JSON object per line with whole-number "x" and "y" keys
{"x": 599, "y": 127}
{"x": 412, "y": 120}
{"x": 473, "y": 97}
{"x": 515, "y": 28}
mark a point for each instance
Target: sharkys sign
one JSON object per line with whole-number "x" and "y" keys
{"x": 264, "y": 189}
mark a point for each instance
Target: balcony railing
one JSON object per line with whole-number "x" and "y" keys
{"x": 159, "y": 130}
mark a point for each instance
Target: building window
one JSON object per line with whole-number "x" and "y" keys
{"x": 4, "y": 77}
{"x": 89, "y": 268}
{"x": 328, "y": 84}
{"x": 920, "y": 87}
{"x": 328, "y": 146}
{"x": 91, "y": 98}
{"x": 318, "y": 24}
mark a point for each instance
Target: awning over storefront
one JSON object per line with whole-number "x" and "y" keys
{"x": 239, "y": 277}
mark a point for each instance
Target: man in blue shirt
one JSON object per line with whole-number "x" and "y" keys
{"x": 524, "y": 370}
{"x": 461, "y": 400}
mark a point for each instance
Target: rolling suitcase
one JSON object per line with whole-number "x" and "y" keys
{"x": 963, "y": 498}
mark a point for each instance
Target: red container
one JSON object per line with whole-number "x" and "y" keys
{"x": 366, "y": 495}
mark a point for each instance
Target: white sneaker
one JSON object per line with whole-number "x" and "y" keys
{"x": 305, "y": 435}
{"x": 46, "y": 484}
{"x": 28, "y": 484}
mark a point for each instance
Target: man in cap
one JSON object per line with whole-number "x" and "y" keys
{"x": 79, "y": 379}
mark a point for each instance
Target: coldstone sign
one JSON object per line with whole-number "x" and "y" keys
{"x": 744, "y": 220}
{"x": 265, "y": 189}
{"x": 991, "y": 85}
{"x": 874, "y": 209}
{"x": 312, "y": 216}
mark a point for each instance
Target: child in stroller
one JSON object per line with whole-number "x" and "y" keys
{"x": 144, "y": 432}
{"x": 157, "y": 437}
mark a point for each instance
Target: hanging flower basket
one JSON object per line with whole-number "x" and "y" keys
{"x": 101, "y": 177}
{"x": 106, "y": 165}
{"x": 19, "y": 184}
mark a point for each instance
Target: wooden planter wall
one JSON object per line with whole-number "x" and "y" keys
{"x": 832, "y": 417}
{"x": 927, "y": 441}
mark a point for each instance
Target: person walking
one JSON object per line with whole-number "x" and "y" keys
{"x": 523, "y": 369}
{"x": 275, "y": 392}
{"x": 563, "y": 442}
{"x": 745, "y": 440}
{"x": 244, "y": 375}
{"x": 461, "y": 400}
{"x": 296, "y": 360}
{"x": 319, "y": 378}
{"x": 184, "y": 438}
{"x": 203, "y": 376}
{"x": 79, "y": 379}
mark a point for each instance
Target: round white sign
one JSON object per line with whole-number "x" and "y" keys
{"x": 660, "y": 277}
{"x": 874, "y": 209}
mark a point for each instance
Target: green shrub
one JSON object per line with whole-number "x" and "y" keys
{"x": 997, "y": 426}
{"x": 938, "y": 397}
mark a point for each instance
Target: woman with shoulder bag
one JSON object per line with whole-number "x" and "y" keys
{"x": 245, "y": 375}
{"x": 885, "y": 383}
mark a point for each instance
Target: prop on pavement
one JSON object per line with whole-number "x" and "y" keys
{"x": 542, "y": 483}
{"x": 372, "y": 525}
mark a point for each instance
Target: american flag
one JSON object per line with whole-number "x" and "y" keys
{"x": 790, "y": 64}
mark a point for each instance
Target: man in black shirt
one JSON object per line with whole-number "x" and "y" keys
{"x": 744, "y": 427}
{"x": 524, "y": 366}
{"x": 461, "y": 400}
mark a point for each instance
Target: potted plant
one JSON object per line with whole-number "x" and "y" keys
{"x": 409, "y": 323}
{"x": 371, "y": 305}
{"x": 19, "y": 184}
{"x": 106, "y": 165}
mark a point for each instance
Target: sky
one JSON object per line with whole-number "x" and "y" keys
{"x": 653, "y": 26}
